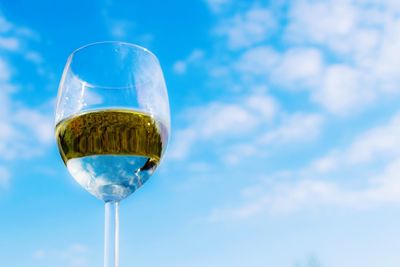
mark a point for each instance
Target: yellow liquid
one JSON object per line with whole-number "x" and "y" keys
{"x": 117, "y": 132}
{"x": 110, "y": 152}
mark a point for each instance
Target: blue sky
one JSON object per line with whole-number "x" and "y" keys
{"x": 285, "y": 146}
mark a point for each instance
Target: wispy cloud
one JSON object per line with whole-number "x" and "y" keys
{"x": 25, "y": 131}
{"x": 195, "y": 57}
{"x": 373, "y": 158}
{"x": 120, "y": 28}
{"x": 9, "y": 43}
{"x": 378, "y": 144}
{"x": 16, "y": 39}
{"x": 123, "y": 28}
{"x": 222, "y": 121}
{"x": 297, "y": 127}
{"x": 75, "y": 255}
{"x": 218, "y": 5}
{"x": 248, "y": 28}
{"x": 242, "y": 129}
{"x": 345, "y": 65}
{"x": 339, "y": 68}
{"x": 298, "y": 69}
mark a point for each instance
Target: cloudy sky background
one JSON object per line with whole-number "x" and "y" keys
{"x": 285, "y": 148}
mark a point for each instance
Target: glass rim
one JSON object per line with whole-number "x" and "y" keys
{"x": 138, "y": 47}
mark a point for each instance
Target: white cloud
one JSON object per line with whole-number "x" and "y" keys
{"x": 41, "y": 125}
{"x": 21, "y": 127}
{"x": 246, "y": 29}
{"x": 222, "y": 119}
{"x": 343, "y": 65}
{"x": 363, "y": 44}
{"x": 75, "y": 255}
{"x": 24, "y": 131}
{"x": 339, "y": 88}
{"x": 5, "y": 25}
{"x": 5, "y": 70}
{"x": 326, "y": 163}
{"x": 120, "y": 28}
{"x": 25, "y": 134}
{"x": 266, "y": 107}
{"x": 211, "y": 122}
{"x": 295, "y": 69}
{"x": 292, "y": 129}
{"x": 317, "y": 21}
{"x": 182, "y": 144}
{"x": 343, "y": 90}
{"x": 386, "y": 62}
{"x": 237, "y": 152}
{"x": 380, "y": 143}
{"x": 219, "y": 120}
{"x": 343, "y": 56}
{"x": 283, "y": 198}
{"x": 298, "y": 68}
{"x": 361, "y": 28}
{"x": 257, "y": 61}
{"x": 123, "y": 28}
{"x": 373, "y": 159}
{"x": 297, "y": 127}
{"x": 240, "y": 129}
{"x": 15, "y": 38}
{"x": 180, "y": 67}
{"x": 34, "y": 57}
{"x": 217, "y": 5}
{"x": 9, "y": 43}
{"x": 194, "y": 58}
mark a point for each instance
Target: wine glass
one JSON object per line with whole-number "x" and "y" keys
{"x": 112, "y": 124}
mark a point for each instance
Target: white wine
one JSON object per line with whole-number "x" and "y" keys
{"x": 111, "y": 152}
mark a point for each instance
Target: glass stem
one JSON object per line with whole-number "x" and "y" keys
{"x": 111, "y": 234}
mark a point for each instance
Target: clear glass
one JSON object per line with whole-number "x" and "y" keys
{"x": 112, "y": 124}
